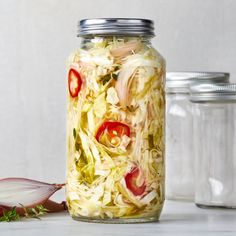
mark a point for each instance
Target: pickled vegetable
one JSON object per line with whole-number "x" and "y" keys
{"x": 74, "y": 82}
{"x": 115, "y": 129}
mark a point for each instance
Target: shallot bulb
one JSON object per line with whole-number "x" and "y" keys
{"x": 19, "y": 192}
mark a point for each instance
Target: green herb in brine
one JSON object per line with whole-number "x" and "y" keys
{"x": 74, "y": 133}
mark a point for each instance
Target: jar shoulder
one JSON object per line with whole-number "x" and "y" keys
{"x": 159, "y": 56}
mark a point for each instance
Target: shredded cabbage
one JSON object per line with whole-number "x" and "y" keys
{"x": 123, "y": 82}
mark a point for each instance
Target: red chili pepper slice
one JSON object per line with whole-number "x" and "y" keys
{"x": 135, "y": 181}
{"x": 74, "y": 82}
{"x": 112, "y": 130}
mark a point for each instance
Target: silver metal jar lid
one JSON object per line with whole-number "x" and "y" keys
{"x": 180, "y": 81}
{"x": 221, "y": 92}
{"x": 116, "y": 26}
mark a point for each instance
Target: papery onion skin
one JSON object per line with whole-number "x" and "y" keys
{"x": 50, "y": 205}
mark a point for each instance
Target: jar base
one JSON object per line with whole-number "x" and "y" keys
{"x": 205, "y": 206}
{"x": 119, "y": 220}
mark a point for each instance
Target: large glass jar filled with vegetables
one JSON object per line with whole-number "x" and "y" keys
{"x": 115, "y": 123}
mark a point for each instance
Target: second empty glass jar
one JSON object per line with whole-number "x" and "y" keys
{"x": 214, "y": 109}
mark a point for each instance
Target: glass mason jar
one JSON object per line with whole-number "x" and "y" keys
{"x": 214, "y": 108}
{"x": 115, "y": 123}
{"x": 179, "y": 123}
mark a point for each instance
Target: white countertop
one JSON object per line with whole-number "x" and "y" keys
{"x": 178, "y": 218}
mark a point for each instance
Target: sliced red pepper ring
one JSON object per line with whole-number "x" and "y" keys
{"x": 112, "y": 132}
{"x": 135, "y": 181}
{"x": 74, "y": 82}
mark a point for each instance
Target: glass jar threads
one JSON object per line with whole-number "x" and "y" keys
{"x": 179, "y": 137}
{"x": 214, "y": 109}
{"x": 115, "y": 123}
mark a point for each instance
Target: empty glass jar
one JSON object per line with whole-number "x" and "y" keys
{"x": 214, "y": 109}
{"x": 179, "y": 132}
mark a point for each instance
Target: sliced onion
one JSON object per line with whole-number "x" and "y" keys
{"x": 127, "y": 74}
{"x": 16, "y": 191}
{"x": 123, "y": 84}
{"x": 126, "y": 49}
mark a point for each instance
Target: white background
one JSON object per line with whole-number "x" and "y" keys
{"x": 36, "y": 36}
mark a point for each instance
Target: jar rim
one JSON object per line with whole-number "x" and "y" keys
{"x": 116, "y": 26}
{"x": 180, "y": 81}
{"x": 221, "y": 92}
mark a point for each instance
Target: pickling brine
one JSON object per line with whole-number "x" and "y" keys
{"x": 115, "y": 130}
